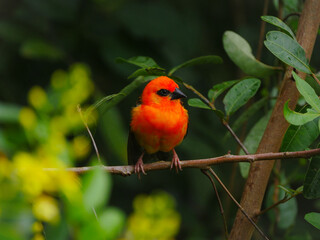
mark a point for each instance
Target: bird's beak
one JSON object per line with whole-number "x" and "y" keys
{"x": 177, "y": 94}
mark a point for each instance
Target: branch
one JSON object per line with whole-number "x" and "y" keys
{"x": 285, "y": 199}
{"x": 198, "y": 163}
{"x": 238, "y": 205}
{"x": 205, "y": 172}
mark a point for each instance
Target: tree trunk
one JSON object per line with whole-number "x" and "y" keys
{"x": 257, "y": 181}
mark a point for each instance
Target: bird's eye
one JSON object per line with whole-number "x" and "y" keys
{"x": 163, "y": 92}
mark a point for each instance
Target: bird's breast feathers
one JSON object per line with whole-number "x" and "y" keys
{"x": 159, "y": 128}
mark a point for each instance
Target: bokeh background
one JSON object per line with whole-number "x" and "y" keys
{"x": 56, "y": 54}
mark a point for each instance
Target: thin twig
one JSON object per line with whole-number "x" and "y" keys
{"x": 205, "y": 172}
{"x": 315, "y": 77}
{"x": 225, "y": 123}
{"x": 92, "y": 139}
{"x": 235, "y": 137}
{"x": 285, "y": 199}
{"x": 198, "y": 163}
{"x": 262, "y": 30}
{"x": 298, "y": 14}
{"x": 239, "y": 206}
{"x": 210, "y": 104}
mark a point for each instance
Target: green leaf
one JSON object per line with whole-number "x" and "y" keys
{"x": 287, "y": 50}
{"x": 240, "y": 52}
{"x": 116, "y": 98}
{"x": 298, "y": 138}
{"x": 311, "y": 189}
{"x": 196, "y": 102}
{"x": 287, "y": 211}
{"x": 212, "y": 59}
{"x": 96, "y": 188}
{"x": 219, "y": 88}
{"x": 240, "y": 93}
{"x": 313, "y": 218}
{"x": 278, "y": 23}
{"x": 112, "y": 222}
{"x": 296, "y": 118}
{"x": 9, "y": 113}
{"x": 151, "y": 71}
{"x": 140, "y": 61}
{"x": 252, "y": 142}
{"x": 307, "y": 92}
{"x": 249, "y": 113}
{"x": 39, "y": 49}
{"x": 114, "y": 132}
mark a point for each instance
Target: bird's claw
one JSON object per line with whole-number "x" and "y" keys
{"x": 176, "y": 162}
{"x": 139, "y": 167}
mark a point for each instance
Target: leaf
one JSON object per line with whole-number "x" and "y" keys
{"x": 296, "y": 118}
{"x": 313, "y": 218}
{"x": 39, "y": 49}
{"x": 240, "y": 93}
{"x": 140, "y": 61}
{"x": 252, "y": 142}
{"x": 217, "y": 89}
{"x": 240, "y": 52}
{"x": 196, "y": 102}
{"x": 150, "y": 71}
{"x": 249, "y": 113}
{"x": 278, "y": 23}
{"x": 307, "y": 92}
{"x": 287, "y": 50}
{"x": 213, "y": 59}
{"x": 287, "y": 211}
{"x": 96, "y": 188}
{"x": 114, "y": 132}
{"x": 116, "y": 98}
{"x": 9, "y": 113}
{"x": 311, "y": 189}
{"x": 298, "y": 138}
{"x": 112, "y": 222}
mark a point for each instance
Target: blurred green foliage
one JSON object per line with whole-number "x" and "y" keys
{"x": 40, "y": 126}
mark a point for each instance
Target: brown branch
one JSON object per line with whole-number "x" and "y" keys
{"x": 205, "y": 172}
{"x": 236, "y": 202}
{"x": 257, "y": 181}
{"x": 198, "y": 163}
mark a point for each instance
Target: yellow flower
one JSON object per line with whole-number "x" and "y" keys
{"x": 5, "y": 167}
{"x": 38, "y": 236}
{"x": 46, "y": 209}
{"x": 34, "y": 180}
{"x": 154, "y": 217}
{"x": 37, "y": 227}
{"x": 37, "y": 97}
{"x": 81, "y": 146}
{"x": 27, "y": 118}
{"x": 59, "y": 79}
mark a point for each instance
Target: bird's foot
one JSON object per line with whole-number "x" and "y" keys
{"x": 176, "y": 162}
{"x": 139, "y": 166}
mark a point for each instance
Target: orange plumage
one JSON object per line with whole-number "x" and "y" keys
{"x": 159, "y": 123}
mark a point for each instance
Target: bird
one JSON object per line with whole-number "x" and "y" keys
{"x": 158, "y": 124}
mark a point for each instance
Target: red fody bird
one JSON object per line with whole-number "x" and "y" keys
{"x": 159, "y": 123}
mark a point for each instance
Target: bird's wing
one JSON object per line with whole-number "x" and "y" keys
{"x": 134, "y": 150}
